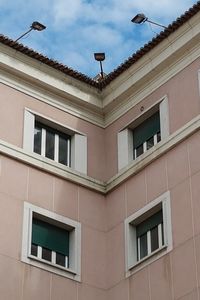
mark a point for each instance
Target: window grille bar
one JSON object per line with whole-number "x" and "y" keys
{"x": 68, "y": 152}
{"x": 148, "y": 242}
{"x": 144, "y": 147}
{"x": 53, "y": 257}
{"x": 138, "y": 248}
{"x": 56, "y": 147}
{"x": 43, "y": 150}
{"x": 160, "y": 235}
{"x": 39, "y": 252}
{"x": 66, "y": 261}
{"x": 155, "y": 139}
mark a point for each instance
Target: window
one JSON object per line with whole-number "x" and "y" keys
{"x": 51, "y": 241}
{"x": 143, "y": 133}
{"x": 146, "y": 135}
{"x": 52, "y": 144}
{"x": 148, "y": 233}
{"x": 55, "y": 142}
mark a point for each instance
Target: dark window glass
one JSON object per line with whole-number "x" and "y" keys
{"x": 154, "y": 239}
{"x": 63, "y": 150}
{"x": 143, "y": 246}
{"x": 139, "y": 150}
{"x": 50, "y": 144}
{"x": 50, "y": 237}
{"x": 150, "y": 142}
{"x": 146, "y": 130}
{"x": 46, "y": 254}
{"x": 162, "y": 234}
{"x": 158, "y": 137}
{"x": 37, "y": 139}
{"x": 60, "y": 259}
{"x": 34, "y": 249}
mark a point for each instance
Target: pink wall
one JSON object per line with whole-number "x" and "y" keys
{"x": 175, "y": 276}
{"x": 13, "y": 103}
{"x": 184, "y": 104}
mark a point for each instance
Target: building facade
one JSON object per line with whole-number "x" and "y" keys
{"x": 100, "y": 181}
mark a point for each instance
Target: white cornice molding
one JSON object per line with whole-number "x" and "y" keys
{"x": 136, "y": 166}
{"x": 78, "y": 109}
{"x": 154, "y": 69}
{"x": 36, "y": 72}
{"x": 50, "y": 166}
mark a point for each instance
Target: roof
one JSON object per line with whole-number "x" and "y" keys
{"x": 120, "y": 69}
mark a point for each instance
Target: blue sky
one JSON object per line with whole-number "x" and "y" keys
{"x": 78, "y": 28}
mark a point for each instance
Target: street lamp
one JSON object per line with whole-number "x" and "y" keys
{"x": 100, "y": 57}
{"x": 34, "y": 26}
{"x": 141, "y": 18}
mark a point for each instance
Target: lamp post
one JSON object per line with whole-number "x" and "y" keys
{"x": 34, "y": 26}
{"x": 141, "y": 18}
{"x": 100, "y": 57}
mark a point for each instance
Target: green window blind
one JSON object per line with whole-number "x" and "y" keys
{"x": 149, "y": 223}
{"x": 146, "y": 130}
{"x": 51, "y": 237}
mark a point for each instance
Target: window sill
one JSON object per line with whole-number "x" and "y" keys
{"x": 43, "y": 261}
{"x": 49, "y": 267}
{"x": 134, "y": 268}
{"x": 148, "y": 256}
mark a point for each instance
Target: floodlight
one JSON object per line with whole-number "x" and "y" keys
{"x": 100, "y": 57}
{"x": 141, "y": 18}
{"x": 34, "y": 26}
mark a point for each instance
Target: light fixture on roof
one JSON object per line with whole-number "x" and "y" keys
{"x": 100, "y": 57}
{"x": 34, "y": 26}
{"x": 141, "y": 18}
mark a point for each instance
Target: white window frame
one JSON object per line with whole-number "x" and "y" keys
{"x": 131, "y": 261}
{"x": 125, "y": 136}
{"x": 78, "y": 140}
{"x": 74, "y": 269}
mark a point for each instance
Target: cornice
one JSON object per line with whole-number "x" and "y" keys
{"x": 102, "y": 108}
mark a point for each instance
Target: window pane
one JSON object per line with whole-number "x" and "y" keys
{"x": 150, "y": 142}
{"x": 139, "y": 150}
{"x": 154, "y": 239}
{"x": 63, "y": 150}
{"x": 50, "y": 144}
{"x": 50, "y": 237}
{"x": 37, "y": 139}
{"x": 146, "y": 130}
{"x": 34, "y": 249}
{"x": 46, "y": 254}
{"x": 158, "y": 137}
{"x": 60, "y": 259}
{"x": 143, "y": 246}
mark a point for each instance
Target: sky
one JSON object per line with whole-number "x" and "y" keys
{"x": 76, "y": 29}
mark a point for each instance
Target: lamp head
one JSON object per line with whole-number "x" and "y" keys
{"x": 37, "y": 26}
{"x": 139, "y": 18}
{"x": 99, "y": 56}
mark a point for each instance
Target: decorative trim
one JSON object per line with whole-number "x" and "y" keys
{"x": 149, "y": 87}
{"x": 78, "y": 109}
{"x": 50, "y": 166}
{"x": 160, "y": 64}
{"x": 72, "y": 272}
{"x": 136, "y": 166}
{"x": 131, "y": 262}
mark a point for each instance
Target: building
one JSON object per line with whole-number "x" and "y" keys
{"x": 100, "y": 181}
